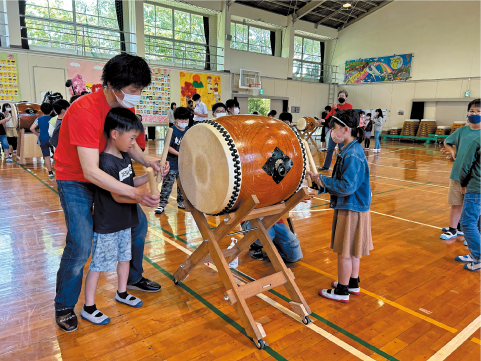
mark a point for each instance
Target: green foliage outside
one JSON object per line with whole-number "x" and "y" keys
{"x": 262, "y": 106}
{"x": 248, "y": 38}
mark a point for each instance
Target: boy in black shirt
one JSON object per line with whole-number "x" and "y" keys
{"x": 181, "y": 116}
{"x": 114, "y": 215}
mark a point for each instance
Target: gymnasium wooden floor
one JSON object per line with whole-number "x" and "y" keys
{"x": 417, "y": 302}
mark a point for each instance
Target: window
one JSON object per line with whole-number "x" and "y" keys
{"x": 249, "y": 38}
{"x": 174, "y": 36}
{"x": 307, "y": 58}
{"x": 3, "y": 24}
{"x": 86, "y": 27}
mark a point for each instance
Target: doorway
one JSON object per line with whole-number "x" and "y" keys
{"x": 261, "y": 106}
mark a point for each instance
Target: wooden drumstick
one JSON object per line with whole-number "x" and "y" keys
{"x": 168, "y": 137}
{"x": 308, "y": 169}
{"x": 309, "y": 155}
{"x": 154, "y": 187}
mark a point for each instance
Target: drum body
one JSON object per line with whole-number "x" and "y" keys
{"x": 222, "y": 162}
{"x": 27, "y": 113}
{"x": 306, "y": 123}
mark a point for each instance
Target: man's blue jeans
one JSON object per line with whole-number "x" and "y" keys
{"x": 77, "y": 199}
{"x": 330, "y": 150}
{"x": 286, "y": 242}
{"x": 376, "y": 138}
{"x": 470, "y": 222}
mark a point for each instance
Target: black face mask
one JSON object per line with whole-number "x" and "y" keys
{"x": 341, "y": 100}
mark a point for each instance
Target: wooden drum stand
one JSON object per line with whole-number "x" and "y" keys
{"x": 210, "y": 251}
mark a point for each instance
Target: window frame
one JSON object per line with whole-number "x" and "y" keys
{"x": 248, "y": 40}
{"x": 303, "y": 63}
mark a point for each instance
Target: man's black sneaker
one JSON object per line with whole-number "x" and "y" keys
{"x": 320, "y": 169}
{"x": 257, "y": 254}
{"x": 67, "y": 322}
{"x": 145, "y": 285}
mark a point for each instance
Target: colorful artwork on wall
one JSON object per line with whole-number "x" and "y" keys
{"x": 206, "y": 85}
{"x": 155, "y": 101}
{"x": 9, "y": 85}
{"x": 85, "y": 76}
{"x": 385, "y": 68}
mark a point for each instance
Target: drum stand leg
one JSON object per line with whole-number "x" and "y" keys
{"x": 310, "y": 139}
{"x": 210, "y": 251}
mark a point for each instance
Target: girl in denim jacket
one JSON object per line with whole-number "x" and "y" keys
{"x": 350, "y": 192}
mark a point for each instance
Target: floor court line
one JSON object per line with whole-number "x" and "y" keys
{"x": 286, "y": 311}
{"x": 402, "y": 180}
{"x": 385, "y": 300}
{"x": 421, "y": 170}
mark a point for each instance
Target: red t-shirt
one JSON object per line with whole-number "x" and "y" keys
{"x": 82, "y": 126}
{"x": 339, "y": 107}
{"x": 141, "y": 139}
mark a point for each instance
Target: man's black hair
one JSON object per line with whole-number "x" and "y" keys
{"x": 74, "y": 98}
{"x": 327, "y": 108}
{"x": 255, "y": 113}
{"x": 350, "y": 118}
{"x": 232, "y": 103}
{"x": 218, "y": 105}
{"x": 172, "y": 105}
{"x": 4, "y": 107}
{"x": 475, "y": 103}
{"x": 181, "y": 113}
{"x": 46, "y": 108}
{"x": 272, "y": 113}
{"x": 195, "y": 97}
{"x": 342, "y": 91}
{"x": 124, "y": 70}
{"x": 285, "y": 116}
{"x": 60, "y": 105}
{"x": 121, "y": 120}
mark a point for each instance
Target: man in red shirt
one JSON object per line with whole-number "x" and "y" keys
{"x": 343, "y": 104}
{"x": 81, "y": 140}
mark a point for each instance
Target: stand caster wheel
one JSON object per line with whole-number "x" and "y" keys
{"x": 260, "y": 344}
{"x": 306, "y": 320}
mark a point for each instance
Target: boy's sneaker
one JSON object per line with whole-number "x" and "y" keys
{"x": 97, "y": 317}
{"x": 466, "y": 259}
{"x": 449, "y": 235}
{"x": 159, "y": 210}
{"x": 321, "y": 169}
{"x": 474, "y": 266}
{"x": 336, "y": 294}
{"x": 50, "y": 174}
{"x": 10, "y": 155}
{"x": 130, "y": 300}
{"x": 181, "y": 205}
{"x": 353, "y": 291}
{"x": 8, "y": 160}
{"x": 256, "y": 253}
{"x": 460, "y": 233}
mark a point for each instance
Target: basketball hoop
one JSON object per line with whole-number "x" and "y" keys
{"x": 254, "y": 85}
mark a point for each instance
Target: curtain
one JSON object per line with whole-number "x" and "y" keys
{"x": 120, "y": 20}
{"x": 273, "y": 43}
{"x": 323, "y": 45}
{"x": 23, "y": 28}
{"x": 207, "y": 49}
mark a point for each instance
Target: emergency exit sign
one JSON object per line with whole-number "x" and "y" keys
{"x": 261, "y": 91}
{"x": 467, "y": 94}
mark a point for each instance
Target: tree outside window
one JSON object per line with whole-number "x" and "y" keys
{"x": 249, "y": 38}
{"x": 307, "y": 58}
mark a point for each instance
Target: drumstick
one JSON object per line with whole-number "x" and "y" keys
{"x": 165, "y": 152}
{"x": 309, "y": 155}
{"x": 154, "y": 188}
{"x": 308, "y": 169}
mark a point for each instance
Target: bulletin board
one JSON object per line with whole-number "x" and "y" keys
{"x": 9, "y": 85}
{"x": 155, "y": 101}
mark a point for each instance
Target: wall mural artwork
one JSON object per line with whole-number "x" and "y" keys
{"x": 155, "y": 101}
{"x": 385, "y": 68}
{"x": 9, "y": 86}
{"x": 206, "y": 85}
{"x": 85, "y": 76}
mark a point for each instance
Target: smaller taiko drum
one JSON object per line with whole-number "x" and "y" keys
{"x": 27, "y": 113}
{"x": 306, "y": 124}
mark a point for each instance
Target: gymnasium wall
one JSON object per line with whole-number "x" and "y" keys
{"x": 444, "y": 37}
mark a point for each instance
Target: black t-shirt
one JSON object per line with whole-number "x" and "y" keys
{"x": 2, "y": 126}
{"x": 177, "y": 136}
{"x": 110, "y": 216}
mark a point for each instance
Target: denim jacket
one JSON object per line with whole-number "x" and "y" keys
{"x": 349, "y": 186}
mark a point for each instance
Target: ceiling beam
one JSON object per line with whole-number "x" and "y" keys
{"x": 329, "y": 16}
{"x": 384, "y": 3}
{"x": 306, "y": 9}
{"x": 324, "y": 7}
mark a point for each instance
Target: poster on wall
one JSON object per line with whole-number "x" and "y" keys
{"x": 9, "y": 85}
{"x": 206, "y": 85}
{"x": 155, "y": 101}
{"x": 385, "y": 68}
{"x": 85, "y": 76}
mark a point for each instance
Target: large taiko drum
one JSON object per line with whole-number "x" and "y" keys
{"x": 306, "y": 123}
{"x": 223, "y": 162}
{"x": 27, "y": 113}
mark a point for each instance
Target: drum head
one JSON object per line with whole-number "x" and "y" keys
{"x": 206, "y": 168}
{"x": 301, "y": 124}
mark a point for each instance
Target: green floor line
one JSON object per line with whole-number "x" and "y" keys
{"x": 214, "y": 309}
{"x": 328, "y": 323}
{"x": 41, "y": 181}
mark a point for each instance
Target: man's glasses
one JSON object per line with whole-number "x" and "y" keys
{"x": 473, "y": 112}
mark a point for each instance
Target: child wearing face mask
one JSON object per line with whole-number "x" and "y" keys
{"x": 368, "y": 130}
{"x": 181, "y": 117}
{"x": 232, "y": 106}
{"x": 350, "y": 192}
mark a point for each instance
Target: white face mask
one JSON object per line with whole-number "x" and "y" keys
{"x": 8, "y": 109}
{"x": 236, "y": 111}
{"x": 182, "y": 125}
{"x": 217, "y": 115}
{"x": 129, "y": 101}
{"x": 197, "y": 102}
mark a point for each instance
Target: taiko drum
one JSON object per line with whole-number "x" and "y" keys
{"x": 306, "y": 123}
{"x": 222, "y": 162}
{"x": 27, "y": 113}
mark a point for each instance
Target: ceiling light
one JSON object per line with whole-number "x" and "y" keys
{"x": 346, "y": 5}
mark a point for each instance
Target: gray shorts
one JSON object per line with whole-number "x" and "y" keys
{"x": 109, "y": 248}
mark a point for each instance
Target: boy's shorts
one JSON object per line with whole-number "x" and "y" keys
{"x": 455, "y": 198}
{"x": 109, "y": 248}
{"x": 45, "y": 146}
